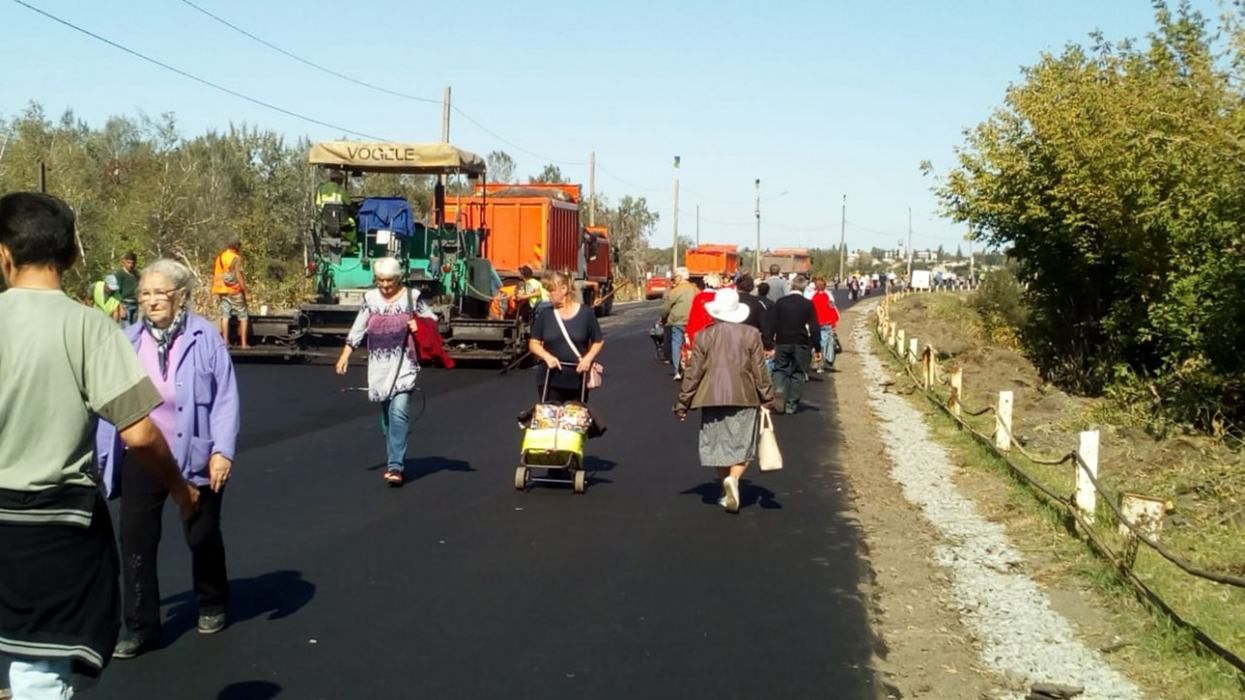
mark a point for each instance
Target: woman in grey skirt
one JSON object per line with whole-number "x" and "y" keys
{"x": 727, "y": 381}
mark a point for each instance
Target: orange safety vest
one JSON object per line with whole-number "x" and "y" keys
{"x": 219, "y": 268}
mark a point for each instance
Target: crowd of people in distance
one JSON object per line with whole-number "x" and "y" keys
{"x": 741, "y": 346}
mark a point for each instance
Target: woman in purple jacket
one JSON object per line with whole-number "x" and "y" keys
{"x": 189, "y": 363}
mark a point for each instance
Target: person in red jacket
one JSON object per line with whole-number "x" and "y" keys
{"x": 827, "y": 320}
{"x": 698, "y": 318}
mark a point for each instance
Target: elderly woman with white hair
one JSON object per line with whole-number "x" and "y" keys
{"x": 387, "y": 321}
{"x": 726, "y": 379}
{"x": 190, "y": 366}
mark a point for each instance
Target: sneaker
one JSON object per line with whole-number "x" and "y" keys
{"x": 394, "y": 478}
{"x": 131, "y": 646}
{"x": 732, "y": 494}
{"x": 791, "y": 408}
{"x": 722, "y": 501}
{"x": 678, "y": 377}
{"x": 211, "y": 624}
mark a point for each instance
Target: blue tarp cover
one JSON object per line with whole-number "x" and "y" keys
{"x": 391, "y": 213}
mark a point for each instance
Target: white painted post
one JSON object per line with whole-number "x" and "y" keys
{"x": 890, "y": 334}
{"x": 913, "y": 345}
{"x": 1086, "y": 494}
{"x": 900, "y": 343}
{"x": 957, "y": 390}
{"x": 1003, "y": 422}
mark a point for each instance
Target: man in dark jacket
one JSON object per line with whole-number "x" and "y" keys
{"x": 758, "y": 316}
{"x": 796, "y": 338}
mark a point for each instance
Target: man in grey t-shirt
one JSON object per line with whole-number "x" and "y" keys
{"x": 777, "y": 284}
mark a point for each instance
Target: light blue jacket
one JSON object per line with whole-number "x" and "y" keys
{"x": 206, "y": 393}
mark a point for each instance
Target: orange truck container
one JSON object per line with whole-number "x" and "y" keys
{"x": 709, "y": 258}
{"x": 789, "y": 261}
{"x": 534, "y": 225}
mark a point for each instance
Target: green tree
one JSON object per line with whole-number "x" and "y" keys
{"x": 501, "y": 167}
{"x": 551, "y": 175}
{"x": 1115, "y": 176}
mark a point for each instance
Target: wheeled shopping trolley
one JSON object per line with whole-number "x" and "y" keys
{"x": 554, "y": 440}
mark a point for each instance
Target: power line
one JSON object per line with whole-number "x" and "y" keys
{"x": 305, "y": 61}
{"x": 512, "y": 144}
{"x": 372, "y": 86}
{"x": 197, "y": 79}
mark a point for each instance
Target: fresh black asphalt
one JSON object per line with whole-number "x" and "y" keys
{"x": 459, "y": 586}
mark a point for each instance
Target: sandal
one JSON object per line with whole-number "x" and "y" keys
{"x": 394, "y": 478}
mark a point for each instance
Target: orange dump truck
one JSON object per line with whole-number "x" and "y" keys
{"x": 533, "y": 225}
{"x": 789, "y": 261}
{"x": 711, "y": 257}
{"x": 537, "y": 225}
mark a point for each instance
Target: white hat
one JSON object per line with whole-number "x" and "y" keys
{"x": 681, "y": 272}
{"x": 110, "y": 282}
{"x": 726, "y": 307}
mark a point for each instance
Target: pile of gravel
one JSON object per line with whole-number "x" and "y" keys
{"x": 1022, "y": 637}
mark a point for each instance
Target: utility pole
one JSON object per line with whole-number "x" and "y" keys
{"x": 758, "y": 214}
{"x": 592, "y": 188}
{"x": 909, "y": 245}
{"x": 843, "y": 241}
{"x": 674, "y": 250}
{"x": 971, "y": 268}
{"x": 438, "y": 196}
{"x": 697, "y": 225}
{"x": 445, "y": 116}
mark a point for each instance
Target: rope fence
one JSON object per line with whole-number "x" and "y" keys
{"x": 1139, "y": 517}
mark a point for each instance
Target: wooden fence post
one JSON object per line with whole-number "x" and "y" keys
{"x": 1003, "y": 422}
{"x": 1086, "y": 494}
{"x": 957, "y": 390}
{"x": 900, "y": 343}
{"x": 913, "y": 345}
{"x": 890, "y": 334}
{"x": 927, "y": 364}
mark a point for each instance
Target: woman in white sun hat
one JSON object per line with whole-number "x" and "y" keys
{"x": 726, "y": 379}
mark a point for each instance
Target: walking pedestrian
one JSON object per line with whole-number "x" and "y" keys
{"x": 229, "y": 286}
{"x": 727, "y": 381}
{"x": 675, "y": 311}
{"x": 758, "y": 317}
{"x": 827, "y": 321}
{"x": 188, "y": 362}
{"x": 797, "y": 335}
{"x": 64, "y": 365}
{"x": 777, "y": 284}
{"x": 565, "y": 335}
{"x": 387, "y": 321}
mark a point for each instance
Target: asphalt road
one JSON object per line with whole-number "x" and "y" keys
{"x": 458, "y": 586}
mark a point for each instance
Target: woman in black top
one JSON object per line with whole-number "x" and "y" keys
{"x": 549, "y": 344}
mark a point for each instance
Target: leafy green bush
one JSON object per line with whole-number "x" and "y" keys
{"x": 1000, "y": 301}
{"x": 1115, "y": 176}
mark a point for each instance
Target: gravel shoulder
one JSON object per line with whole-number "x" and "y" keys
{"x": 958, "y": 616}
{"x": 925, "y": 650}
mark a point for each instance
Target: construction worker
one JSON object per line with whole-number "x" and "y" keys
{"x": 106, "y": 296}
{"x": 229, "y": 286}
{"x": 531, "y": 291}
{"x": 334, "y": 192}
{"x": 128, "y": 287}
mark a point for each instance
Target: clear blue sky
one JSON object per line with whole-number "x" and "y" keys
{"x": 818, "y": 99}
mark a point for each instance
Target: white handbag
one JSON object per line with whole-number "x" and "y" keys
{"x": 768, "y": 453}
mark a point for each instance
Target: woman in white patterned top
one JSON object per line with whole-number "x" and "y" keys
{"x": 387, "y": 321}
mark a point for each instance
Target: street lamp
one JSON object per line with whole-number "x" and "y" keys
{"x": 674, "y": 249}
{"x": 758, "y": 215}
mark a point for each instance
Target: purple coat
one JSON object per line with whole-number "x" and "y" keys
{"x": 206, "y": 393}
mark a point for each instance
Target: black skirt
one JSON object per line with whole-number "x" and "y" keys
{"x": 59, "y": 596}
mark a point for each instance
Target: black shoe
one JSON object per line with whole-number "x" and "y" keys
{"x": 211, "y": 624}
{"x": 131, "y": 646}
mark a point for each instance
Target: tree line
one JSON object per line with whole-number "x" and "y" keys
{"x": 1113, "y": 174}
{"x": 138, "y": 184}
